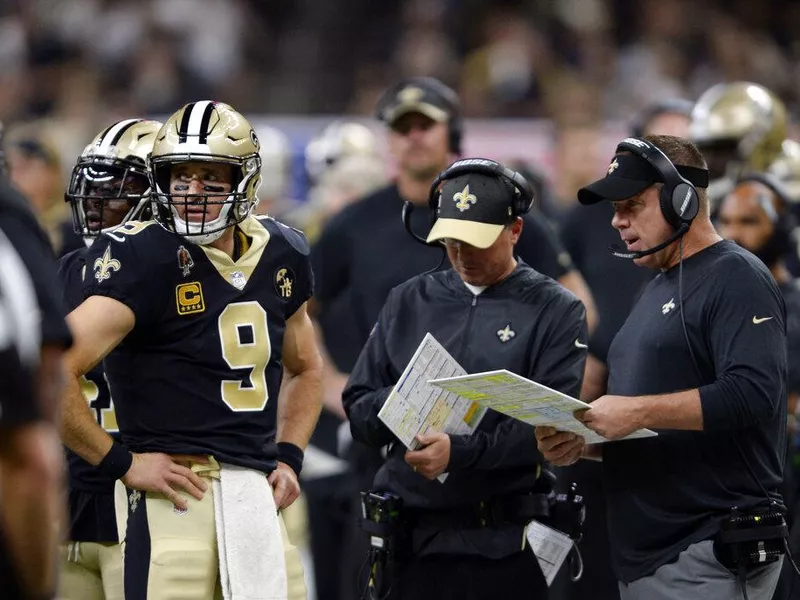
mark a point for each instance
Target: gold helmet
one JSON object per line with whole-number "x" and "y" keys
{"x": 339, "y": 140}
{"x": 205, "y": 131}
{"x": 787, "y": 168}
{"x": 112, "y": 168}
{"x": 742, "y": 119}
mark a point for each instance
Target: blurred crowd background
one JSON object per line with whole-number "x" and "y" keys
{"x": 551, "y": 83}
{"x": 546, "y": 86}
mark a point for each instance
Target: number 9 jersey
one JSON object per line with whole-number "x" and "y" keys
{"x": 201, "y": 370}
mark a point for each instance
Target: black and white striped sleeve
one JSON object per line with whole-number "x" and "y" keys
{"x": 20, "y": 339}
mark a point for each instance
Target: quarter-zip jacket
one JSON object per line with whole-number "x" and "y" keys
{"x": 527, "y": 323}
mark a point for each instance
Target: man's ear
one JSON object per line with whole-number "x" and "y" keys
{"x": 516, "y": 230}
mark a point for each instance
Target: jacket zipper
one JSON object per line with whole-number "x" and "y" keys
{"x": 467, "y": 328}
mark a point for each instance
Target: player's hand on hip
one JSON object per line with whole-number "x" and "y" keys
{"x": 560, "y": 448}
{"x": 157, "y": 472}
{"x": 432, "y": 460}
{"x": 613, "y": 417}
{"x": 285, "y": 487}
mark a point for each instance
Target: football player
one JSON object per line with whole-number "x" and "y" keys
{"x": 339, "y": 140}
{"x": 108, "y": 188}
{"x": 787, "y": 170}
{"x": 739, "y": 128}
{"x": 275, "y": 151}
{"x": 205, "y": 308}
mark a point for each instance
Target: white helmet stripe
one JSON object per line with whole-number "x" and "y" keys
{"x": 114, "y": 133}
{"x": 196, "y": 119}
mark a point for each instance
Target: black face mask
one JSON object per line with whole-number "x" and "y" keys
{"x": 776, "y": 247}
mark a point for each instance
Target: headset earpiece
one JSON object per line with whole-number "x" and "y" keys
{"x": 679, "y": 200}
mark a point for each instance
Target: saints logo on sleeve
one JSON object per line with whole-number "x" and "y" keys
{"x": 105, "y": 265}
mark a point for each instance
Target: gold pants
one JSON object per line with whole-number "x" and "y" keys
{"x": 175, "y": 553}
{"x": 90, "y": 571}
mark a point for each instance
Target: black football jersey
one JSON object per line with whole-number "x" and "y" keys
{"x": 91, "y": 493}
{"x": 83, "y": 476}
{"x": 201, "y": 370}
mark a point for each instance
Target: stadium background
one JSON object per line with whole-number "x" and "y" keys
{"x": 553, "y": 83}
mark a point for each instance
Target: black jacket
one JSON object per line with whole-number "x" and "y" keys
{"x": 547, "y": 346}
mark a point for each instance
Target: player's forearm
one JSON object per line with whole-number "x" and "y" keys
{"x": 32, "y": 504}
{"x": 79, "y": 429}
{"x": 50, "y": 379}
{"x": 299, "y": 406}
{"x": 681, "y": 410}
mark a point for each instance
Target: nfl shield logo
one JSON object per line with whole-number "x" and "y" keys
{"x": 238, "y": 280}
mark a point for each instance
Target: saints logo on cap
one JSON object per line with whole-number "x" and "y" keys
{"x": 410, "y": 94}
{"x": 613, "y": 166}
{"x": 463, "y": 199}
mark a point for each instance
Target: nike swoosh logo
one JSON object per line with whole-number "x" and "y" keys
{"x": 579, "y": 345}
{"x": 119, "y": 238}
{"x": 756, "y": 320}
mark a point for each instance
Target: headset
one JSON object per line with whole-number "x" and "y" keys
{"x": 679, "y": 198}
{"x": 776, "y": 187}
{"x": 520, "y": 190}
{"x": 455, "y": 124}
{"x": 784, "y": 221}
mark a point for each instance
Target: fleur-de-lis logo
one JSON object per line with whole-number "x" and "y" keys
{"x": 506, "y": 333}
{"x": 133, "y": 499}
{"x": 410, "y": 94}
{"x": 613, "y": 166}
{"x": 105, "y": 265}
{"x": 463, "y": 199}
{"x": 668, "y": 306}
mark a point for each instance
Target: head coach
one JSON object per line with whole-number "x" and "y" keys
{"x": 701, "y": 359}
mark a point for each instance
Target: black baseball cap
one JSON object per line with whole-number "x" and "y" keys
{"x": 629, "y": 175}
{"x": 473, "y": 208}
{"x": 424, "y": 95}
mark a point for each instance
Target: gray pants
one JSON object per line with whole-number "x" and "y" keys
{"x": 698, "y": 574}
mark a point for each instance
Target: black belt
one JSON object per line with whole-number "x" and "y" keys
{"x": 497, "y": 511}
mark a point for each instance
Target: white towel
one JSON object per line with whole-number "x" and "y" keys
{"x": 251, "y": 560}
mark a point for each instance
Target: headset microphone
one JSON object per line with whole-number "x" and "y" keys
{"x": 408, "y": 208}
{"x": 620, "y": 252}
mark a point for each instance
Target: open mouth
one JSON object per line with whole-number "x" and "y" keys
{"x": 630, "y": 243}
{"x": 93, "y": 221}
